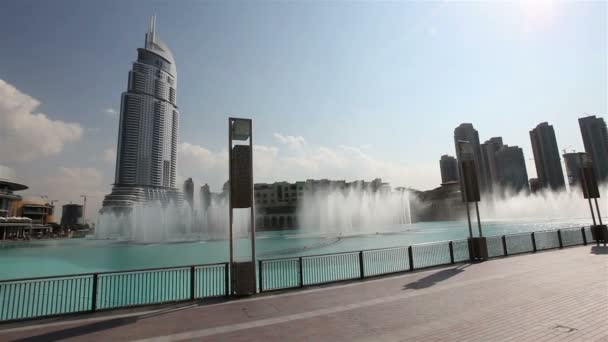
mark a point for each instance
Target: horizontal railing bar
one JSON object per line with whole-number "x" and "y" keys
{"x": 77, "y": 275}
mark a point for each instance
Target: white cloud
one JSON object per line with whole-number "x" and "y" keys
{"x": 109, "y": 154}
{"x": 294, "y": 142}
{"x": 25, "y": 134}
{"x": 273, "y": 163}
{"x": 110, "y": 111}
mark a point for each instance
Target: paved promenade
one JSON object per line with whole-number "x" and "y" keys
{"x": 559, "y": 295}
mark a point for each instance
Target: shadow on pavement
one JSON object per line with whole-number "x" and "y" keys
{"x": 599, "y": 250}
{"x": 94, "y": 327}
{"x": 435, "y": 278}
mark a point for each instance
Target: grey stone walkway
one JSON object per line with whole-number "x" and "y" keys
{"x": 559, "y": 295}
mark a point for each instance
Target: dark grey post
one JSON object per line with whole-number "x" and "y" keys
{"x": 533, "y": 243}
{"x": 361, "y": 266}
{"x": 260, "y": 273}
{"x": 230, "y": 218}
{"x": 478, "y": 219}
{"x": 597, "y": 207}
{"x": 94, "y": 293}
{"x": 301, "y": 266}
{"x": 504, "y": 245}
{"x": 451, "y": 252}
{"x": 559, "y": 237}
{"x": 192, "y": 285}
{"x": 584, "y": 236}
{"x": 227, "y": 279}
{"x": 410, "y": 256}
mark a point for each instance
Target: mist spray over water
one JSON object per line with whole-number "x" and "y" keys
{"x": 155, "y": 222}
{"x": 544, "y": 204}
{"x": 334, "y": 212}
{"x": 353, "y": 211}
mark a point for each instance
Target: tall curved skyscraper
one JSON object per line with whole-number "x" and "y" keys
{"x": 146, "y": 158}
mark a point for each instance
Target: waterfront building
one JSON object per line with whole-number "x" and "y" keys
{"x": 8, "y": 186}
{"x": 546, "y": 157}
{"x": 146, "y": 158}
{"x": 276, "y": 204}
{"x": 573, "y": 165}
{"x": 488, "y": 161}
{"x": 510, "y": 167}
{"x": 37, "y": 209}
{"x": 595, "y": 140}
{"x": 72, "y": 216}
{"x": 466, "y": 132}
{"x": 449, "y": 169}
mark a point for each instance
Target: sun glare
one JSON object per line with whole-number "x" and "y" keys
{"x": 537, "y": 11}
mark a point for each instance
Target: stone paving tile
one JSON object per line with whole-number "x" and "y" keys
{"x": 521, "y": 298}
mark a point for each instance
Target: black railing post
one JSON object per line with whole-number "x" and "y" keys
{"x": 559, "y": 237}
{"x": 533, "y": 243}
{"x": 410, "y": 256}
{"x": 504, "y": 245}
{"x": 451, "y": 252}
{"x": 227, "y": 278}
{"x": 260, "y": 275}
{"x": 94, "y": 294}
{"x": 192, "y": 285}
{"x": 584, "y": 236}
{"x": 361, "y": 266}
{"x": 301, "y": 268}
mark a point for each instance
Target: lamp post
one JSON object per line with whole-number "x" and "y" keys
{"x": 240, "y": 162}
{"x": 591, "y": 190}
{"x": 469, "y": 187}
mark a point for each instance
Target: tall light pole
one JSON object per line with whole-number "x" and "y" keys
{"x": 240, "y": 166}
{"x": 84, "y": 209}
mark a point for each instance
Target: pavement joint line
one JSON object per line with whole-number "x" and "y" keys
{"x": 310, "y": 314}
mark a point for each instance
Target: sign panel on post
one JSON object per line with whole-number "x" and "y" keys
{"x": 240, "y": 177}
{"x": 590, "y": 188}
{"x": 469, "y": 179}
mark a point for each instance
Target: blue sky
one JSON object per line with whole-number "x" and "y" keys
{"x": 336, "y": 89}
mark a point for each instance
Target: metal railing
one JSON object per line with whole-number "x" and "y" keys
{"x": 50, "y": 296}
{"x": 60, "y": 295}
{"x": 278, "y": 274}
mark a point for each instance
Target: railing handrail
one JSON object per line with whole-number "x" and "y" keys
{"x": 413, "y": 245}
{"x": 77, "y": 275}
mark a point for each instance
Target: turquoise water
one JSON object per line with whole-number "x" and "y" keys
{"x": 71, "y": 256}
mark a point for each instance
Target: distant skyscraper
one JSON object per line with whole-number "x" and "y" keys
{"x": 546, "y": 157}
{"x": 189, "y": 191}
{"x": 511, "y": 168}
{"x": 146, "y": 158}
{"x": 449, "y": 169}
{"x": 488, "y": 160}
{"x": 466, "y": 132}
{"x": 205, "y": 195}
{"x": 595, "y": 139}
{"x": 573, "y": 164}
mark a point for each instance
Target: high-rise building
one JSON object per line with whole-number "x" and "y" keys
{"x": 189, "y": 191}
{"x": 449, "y": 169}
{"x": 466, "y": 132}
{"x": 488, "y": 160}
{"x": 146, "y": 158}
{"x": 595, "y": 139}
{"x": 573, "y": 165}
{"x": 511, "y": 168}
{"x": 546, "y": 157}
